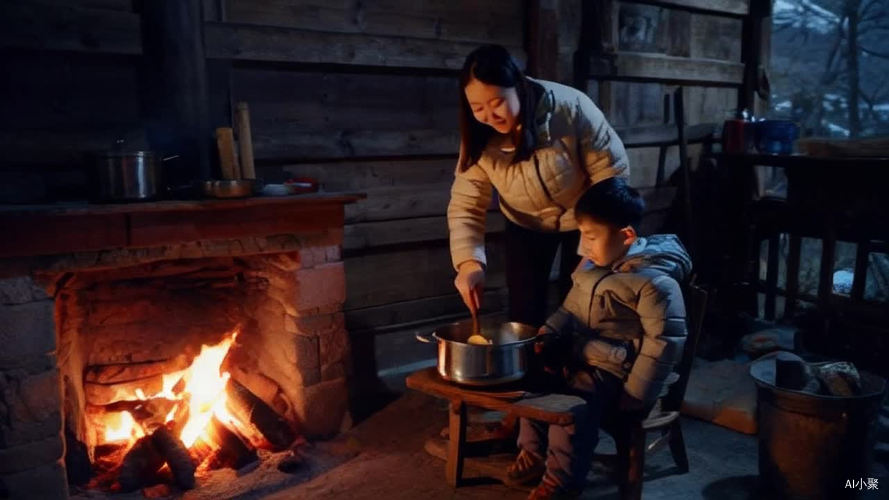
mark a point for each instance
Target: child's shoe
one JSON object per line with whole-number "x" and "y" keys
{"x": 527, "y": 468}
{"x": 549, "y": 490}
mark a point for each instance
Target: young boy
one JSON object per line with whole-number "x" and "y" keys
{"x": 625, "y": 318}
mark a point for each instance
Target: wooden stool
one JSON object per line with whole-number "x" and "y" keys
{"x": 549, "y": 408}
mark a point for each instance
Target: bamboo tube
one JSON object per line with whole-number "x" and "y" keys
{"x": 245, "y": 141}
{"x": 225, "y": 142}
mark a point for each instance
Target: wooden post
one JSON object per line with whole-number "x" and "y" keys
{"x": 679, "y": 110}
{"x": 456, "y": 442}
{"x": 598, "y": 35}
{"x": 174, "y": 87}
{"x": 860, "y": 277}
{"x": 792, "y": 286}
{"x": 755, "y": 43}
{"x": 542, "y": 42}
{"x": 771, "y": 276}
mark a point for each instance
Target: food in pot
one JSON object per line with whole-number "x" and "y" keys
{"x": 478, "y": 340}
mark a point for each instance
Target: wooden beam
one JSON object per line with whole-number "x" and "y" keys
{"x": 647, "y": 67}
{"x": 256, "y": 43}
{"x": 734, "y": 8}
{"x": 29, "y": 25}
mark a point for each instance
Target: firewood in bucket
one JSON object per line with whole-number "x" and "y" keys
{"x": 176, "y": 455}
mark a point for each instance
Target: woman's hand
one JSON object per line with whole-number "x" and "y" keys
{"x": 470, "y": 282}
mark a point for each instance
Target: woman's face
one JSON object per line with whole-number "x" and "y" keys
{"x": 495, "y": 106}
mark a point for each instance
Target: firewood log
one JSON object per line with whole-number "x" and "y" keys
{"x": 176, "y": 455}
{"x": 140, "y": 465}
{"x": 233, "y": 451}
{"x": 249, "y": 408}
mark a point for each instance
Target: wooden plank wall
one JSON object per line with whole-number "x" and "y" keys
{"x": 361, "y": 95}
{"x": 662, "y": 29}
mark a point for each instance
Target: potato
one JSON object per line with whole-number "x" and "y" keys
{"x": 478, "y": 340}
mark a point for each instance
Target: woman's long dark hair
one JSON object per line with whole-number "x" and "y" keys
{"x": 493, "y": 65}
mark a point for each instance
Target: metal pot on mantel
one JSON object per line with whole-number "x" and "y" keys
{"x": 121, "y": 175}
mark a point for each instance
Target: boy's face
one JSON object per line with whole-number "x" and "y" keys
{"x": 604, "y": 243}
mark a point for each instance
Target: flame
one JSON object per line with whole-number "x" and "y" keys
{"x": 121, "y": 426}
{"x": 201, "y": 387}
{"x": 207, "y": 389}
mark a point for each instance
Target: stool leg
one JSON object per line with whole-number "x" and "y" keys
{"x": 456, "y": 442}
{"x": 677, "y": 447}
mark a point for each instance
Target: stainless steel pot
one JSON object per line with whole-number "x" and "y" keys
{"x": 126, "y": 175}
{"x": 504, "y": 360}
{"x": 122, "y": 175}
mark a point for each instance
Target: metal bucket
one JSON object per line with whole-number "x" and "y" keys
{"x": 810, "y": 445}
{"x": 504, "y": 360}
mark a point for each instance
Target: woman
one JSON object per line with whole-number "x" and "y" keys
{"x": 540, "y": 144}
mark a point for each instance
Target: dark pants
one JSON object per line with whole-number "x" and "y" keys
{"x": 529, "y": 260}
{"x": 569, "y": 449}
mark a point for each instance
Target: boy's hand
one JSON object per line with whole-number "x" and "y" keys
{"x": 542, "y": 338}
{"x": 629, "y": 403}
{"x": 470, "y": 282}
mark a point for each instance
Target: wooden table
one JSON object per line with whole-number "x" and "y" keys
{"x": 513, "y": 399}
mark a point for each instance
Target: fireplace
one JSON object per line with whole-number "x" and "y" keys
{"x": 229, "y": 340}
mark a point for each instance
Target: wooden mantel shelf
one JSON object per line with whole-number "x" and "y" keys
{"x": 178, "y": 205}
{"x": 35, "y": 230}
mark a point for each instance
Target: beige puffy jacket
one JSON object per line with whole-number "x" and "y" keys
{"x": 576, "y": 148}
{"x": 630, "y": 319}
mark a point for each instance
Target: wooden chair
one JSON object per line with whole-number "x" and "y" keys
{"x": 630, "y": 433}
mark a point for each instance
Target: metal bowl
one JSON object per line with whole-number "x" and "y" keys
{"x": 232, "y": 188}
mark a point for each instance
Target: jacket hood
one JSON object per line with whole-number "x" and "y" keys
{"x": 663, "y": 252}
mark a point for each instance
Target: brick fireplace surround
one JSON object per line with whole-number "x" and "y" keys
{"x": 116, "y": 286}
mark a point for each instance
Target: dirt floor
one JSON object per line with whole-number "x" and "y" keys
{"x": 392, "y": 463}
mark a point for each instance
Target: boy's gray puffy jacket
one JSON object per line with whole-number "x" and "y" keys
{"x": 576, "y": 147}
{"x": 633, "y": 313}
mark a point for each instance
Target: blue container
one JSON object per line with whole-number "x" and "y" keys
{"x": 776, "y": 136}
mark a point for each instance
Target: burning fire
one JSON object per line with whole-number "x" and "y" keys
{"x": 197, "y": 395}
{"x": 120, "y": 426}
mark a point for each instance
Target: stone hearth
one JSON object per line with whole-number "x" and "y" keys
{"x": 72, "y": 322}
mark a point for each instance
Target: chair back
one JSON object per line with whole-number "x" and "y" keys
{"x": 695, "y": 307}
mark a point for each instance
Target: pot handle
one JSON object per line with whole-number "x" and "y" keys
{"x": 425, "y": 338}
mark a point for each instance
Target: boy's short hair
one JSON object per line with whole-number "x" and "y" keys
{"x": 611, "y": 201}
